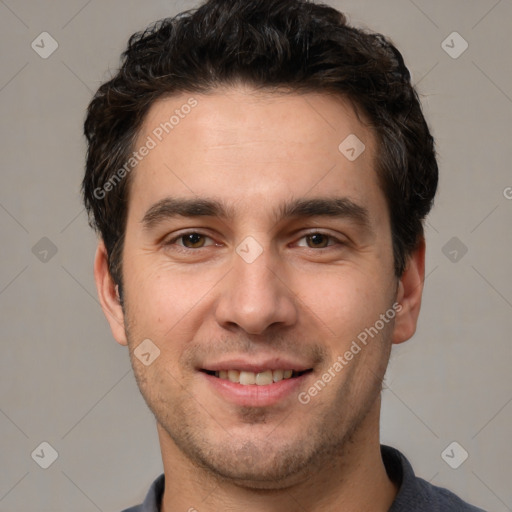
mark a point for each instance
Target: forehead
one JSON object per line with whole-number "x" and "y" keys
{"x": 243, "y": 116}
{"x": 254, "y": 148}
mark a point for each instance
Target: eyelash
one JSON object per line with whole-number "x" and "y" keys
{"x": 182, "y": 248}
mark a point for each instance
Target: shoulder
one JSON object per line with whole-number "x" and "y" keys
{"x": 416, "y": 494}
{"x": 153, "y": 497}
{"x": 443, "y": 499}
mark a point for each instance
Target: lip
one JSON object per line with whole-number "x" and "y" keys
{"x": 254, "y": 395}
{"x": 275, "y": 363}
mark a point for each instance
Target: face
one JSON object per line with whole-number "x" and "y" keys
{"x": 257, "y": 256}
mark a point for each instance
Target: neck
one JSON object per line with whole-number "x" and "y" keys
{"x": 354, "y": 479}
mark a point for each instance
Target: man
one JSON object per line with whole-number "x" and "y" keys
{"x": 259, "y": 173}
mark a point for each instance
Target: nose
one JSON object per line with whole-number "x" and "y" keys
{"x": 256, "y": 295}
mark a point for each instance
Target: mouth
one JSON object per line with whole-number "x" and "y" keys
{"x": 261, "y": 378}
{"x": 257, "y": 382}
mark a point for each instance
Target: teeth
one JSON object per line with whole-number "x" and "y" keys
{"x": 247, "y": 378}
{"x": 250, "y": 378}
{"x": 264, "y": 378}
{"x": 234, "y": 375}
{"x": 277, "y": 375}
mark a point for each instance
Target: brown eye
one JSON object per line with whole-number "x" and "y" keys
{"x": 189, "y": 242}
{"x": 317, "y": 240}
{"x": 193, "y": 240}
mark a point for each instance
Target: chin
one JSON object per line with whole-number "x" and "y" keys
{"x": 258, "y": 466}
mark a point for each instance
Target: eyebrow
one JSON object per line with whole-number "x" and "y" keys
{"x": 334, "y": 207}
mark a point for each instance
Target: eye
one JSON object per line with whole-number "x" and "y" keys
{"x": 197, "y": 240}
{"x": 319, "y": 240}
{"x": 190, "y": 240}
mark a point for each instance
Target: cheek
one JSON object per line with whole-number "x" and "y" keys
{"x": 160, "y": 296}
{"x": 341, "y": 298}
{"x": 168, "y": 305}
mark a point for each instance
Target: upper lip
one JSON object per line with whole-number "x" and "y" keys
{"x": 256, "y": 366}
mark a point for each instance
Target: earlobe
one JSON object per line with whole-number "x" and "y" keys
{"x": 108, "y": 294}
{"x": 410, "y": 290}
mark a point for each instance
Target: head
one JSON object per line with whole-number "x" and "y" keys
{"x": 227, "y": 124}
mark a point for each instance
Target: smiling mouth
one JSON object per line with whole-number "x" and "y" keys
{"x": 263, "y": 378}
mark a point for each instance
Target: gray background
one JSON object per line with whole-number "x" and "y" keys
{"x": 65, "y": 381}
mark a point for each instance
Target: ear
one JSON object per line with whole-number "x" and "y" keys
{"x": 410, "y": 290}
{"x": 108, "y": 294}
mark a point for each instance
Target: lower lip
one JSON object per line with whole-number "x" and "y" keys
{"x": 254, "y": 395}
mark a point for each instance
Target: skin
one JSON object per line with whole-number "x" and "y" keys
{"x": 255, "y": 151}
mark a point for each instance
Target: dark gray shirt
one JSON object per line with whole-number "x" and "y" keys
{"x": 415, "y": 494}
